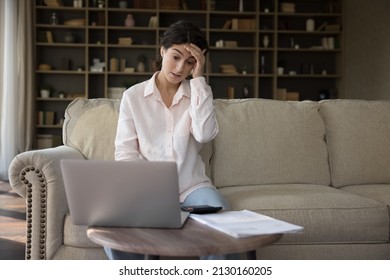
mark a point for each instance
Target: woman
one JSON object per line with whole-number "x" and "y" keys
{"x": 168, "y": 117}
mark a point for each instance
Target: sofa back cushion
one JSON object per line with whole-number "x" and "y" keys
{"x": 90, "y": 126}
{"x": 358, "y": 136}
{"x": 269, "y": 142}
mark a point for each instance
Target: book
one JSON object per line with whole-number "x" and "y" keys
{"x": 125, "y": 41}
{"x": 292, "y": 96}
{"x": 228, "y": 69}
{"x": 243, "y": 24}
{"x": 49, "y": 37}
{"x": 49, "y": 118}
{"x": 153, "y": 21}
{"x": 322, "y": 26}
{"x": 45, "y": 117}
{"x": 280, "y": 94}
{"x": 245, "y": 223}
{"x": 227, "y": 24}
{"x": 230, "y": 44}
{"x": 170, "y": 5}
{"x": 44, "y": 141}
{"x": 333, "y": 27}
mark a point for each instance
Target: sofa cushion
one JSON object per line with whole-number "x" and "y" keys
{"x": 269, "y": 142}
{"x": 75, "y": 235}
{"x": 378, "y": 192}
{"x": 79, "y": 253}
{"x": 328, "y": 215}
{"x": 358, "y": 136}
{"x": 90, "y": 126}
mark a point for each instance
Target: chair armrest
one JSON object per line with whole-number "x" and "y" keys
{"x": 36, "y": 176}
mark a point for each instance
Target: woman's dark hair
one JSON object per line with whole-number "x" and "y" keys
{"x": 182, "y": 32}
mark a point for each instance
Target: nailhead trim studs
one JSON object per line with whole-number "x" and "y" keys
{"x": 42, "y": 236}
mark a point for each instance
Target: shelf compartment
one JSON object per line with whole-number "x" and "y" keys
{"x": 308, "y": 63}
{"x": 138, "y": 36}
{"x": 118, "y": 18}
{"x": 245, "y": 40}
{"x": 69, "y": 85}
{"x": 233, "y": 6}
{"x": 312, "y": 89}
{"x": 44, "y": 15}
{"x": 242, "y": 60}
{"x": 166, "y": 18}
{"x": 221, "y": 83}
{"x": 266, "y": 83}
{"x": 61, "y": 59}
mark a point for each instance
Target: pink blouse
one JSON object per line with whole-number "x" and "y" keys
{"x": 148, "y": 130}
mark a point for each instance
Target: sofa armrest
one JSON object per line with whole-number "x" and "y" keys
{"x": 36, "y": 176}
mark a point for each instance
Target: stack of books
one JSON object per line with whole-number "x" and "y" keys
{"x": 243, "y": 24}
{"x": 54, "y": 3}
{"x": 125, "y": 41}
{"x": 283, "y": 94}
{"x": 228, "y": 69}
{"x": 45, "y": 141}
{"x": 45, "y": 118}
{"x": 170, "y": 5}
{"x": 287, "y": 7}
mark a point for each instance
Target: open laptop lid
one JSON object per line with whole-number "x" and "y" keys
{"x": 122, "y": 193}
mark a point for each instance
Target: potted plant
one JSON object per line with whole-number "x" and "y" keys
{"x": 45, "y": 91}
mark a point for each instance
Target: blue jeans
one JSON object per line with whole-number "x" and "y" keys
{"x": 206, "y": 195}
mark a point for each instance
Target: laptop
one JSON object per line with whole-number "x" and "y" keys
{"x": 123, "y": 193}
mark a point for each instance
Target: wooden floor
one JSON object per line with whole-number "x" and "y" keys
{"x": 12, "y": 224}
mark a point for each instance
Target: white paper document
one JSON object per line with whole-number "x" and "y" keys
{"x": 245, "y": 223}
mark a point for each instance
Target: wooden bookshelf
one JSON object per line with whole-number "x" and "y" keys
{"x": 312, "y": 60}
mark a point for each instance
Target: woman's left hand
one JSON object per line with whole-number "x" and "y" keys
{"x": 200, "y": 58}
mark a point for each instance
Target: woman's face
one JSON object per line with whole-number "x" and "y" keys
{"x": 177, "y": 63}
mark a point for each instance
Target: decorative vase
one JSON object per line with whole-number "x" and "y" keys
{"x": 69, "y": 37}
{"x": 141, "y": 67}
{"x": 265, "y": 41}
{"x": 129, "y": 21}
{"x": 310, "y": 24}
{"x": 54, "y": 19}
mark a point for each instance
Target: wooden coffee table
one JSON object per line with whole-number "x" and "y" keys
{"x": 194, "y": 239}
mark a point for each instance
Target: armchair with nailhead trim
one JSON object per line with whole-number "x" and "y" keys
{"x": 88, "y": 133}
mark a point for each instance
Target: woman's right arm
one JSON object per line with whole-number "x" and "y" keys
{"x": 126, "y": 140}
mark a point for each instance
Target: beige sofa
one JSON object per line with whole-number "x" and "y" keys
{"x": 325, "y": 166}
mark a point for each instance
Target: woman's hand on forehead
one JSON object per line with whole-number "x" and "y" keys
{"x": 198, "y": 54}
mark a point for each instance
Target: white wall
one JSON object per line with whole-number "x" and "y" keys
{"x": 367, "y": 49}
